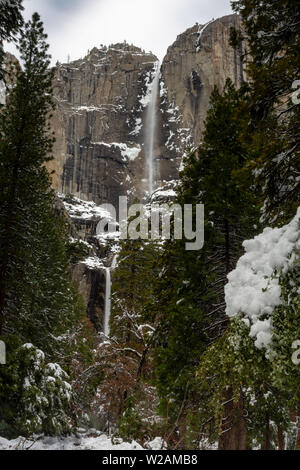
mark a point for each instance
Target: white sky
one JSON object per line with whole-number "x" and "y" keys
{"x": 74, "y": 26}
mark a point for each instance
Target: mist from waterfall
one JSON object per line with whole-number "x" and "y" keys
{"x": 151, "y": 127}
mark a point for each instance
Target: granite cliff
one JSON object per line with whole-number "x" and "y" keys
{"x": 102, "y": 130}
{"x": 100, "y": 118}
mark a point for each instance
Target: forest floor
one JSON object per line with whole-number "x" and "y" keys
{"x": 75, "y": 442}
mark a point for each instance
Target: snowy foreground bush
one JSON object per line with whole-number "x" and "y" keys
{"x": 41, "y": 393}
{"x": 256, "y": 286}
{"x": 253, "y": 369}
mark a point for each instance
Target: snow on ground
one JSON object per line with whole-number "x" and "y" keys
{"x": 253, "y": 288}
{"x": 100, "y": 442}
{"x": 90, "y": 441}
{"x": 157, "y": 444}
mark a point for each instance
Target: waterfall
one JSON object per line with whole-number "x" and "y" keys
{"x": 150, "y": 125}
{"x": 107, "y": 310}
{"x": 107, "y": 301}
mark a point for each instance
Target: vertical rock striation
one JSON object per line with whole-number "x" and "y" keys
{"x": 97, "y": 122}
{"x": 106, "y": 127}
{"x": 199, "y": 59}
{"x": 102, "y": 99}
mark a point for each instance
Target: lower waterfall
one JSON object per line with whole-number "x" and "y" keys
{"x": 107, "y": 301}
{"x": 107, "y": 310}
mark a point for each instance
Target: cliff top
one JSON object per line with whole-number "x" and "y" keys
{"x": 197, "y": 30}
{"x": 121, "y": 49}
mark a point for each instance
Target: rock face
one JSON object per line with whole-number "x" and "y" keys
{"x": 199, "y": 59}
{"x": 100, "y": 119}
{"x": 87, "y": 267}
{"x": 90, "y": 254}
{"x": 91, "y": 285}
{"x": 101, "y": 127}
{"x": 97, "y": 122}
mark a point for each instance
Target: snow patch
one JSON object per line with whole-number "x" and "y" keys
{"x": 97, "y": 441}
{"x": 79, "y": 209}
{"x": 130, "y": 153}
{"x": 201, "y": 30}
{"x": 93, "y": 262}
{"x": 253, "y": 288}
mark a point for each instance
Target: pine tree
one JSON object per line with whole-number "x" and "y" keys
{"x": 39, "y": 305}
{"x": 25, "y": 146}
{"x": 10, "y": 23}
{"x": 191, "y": 294}
{"x": 263, "y": 380}
{"x": 126, "y": 361}
{"x": 133, "y": 310}
{"x": 271, "y": 34}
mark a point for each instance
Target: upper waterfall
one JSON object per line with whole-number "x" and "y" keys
{"x": 151, "y": 127}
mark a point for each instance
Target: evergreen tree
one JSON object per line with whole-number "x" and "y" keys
{"x": 133, "y": 281}
{"x": 271, "y": 34}
{"x": 191, "y": 292}
{"x": 126, "y": 361}
{"x": 24, "y": 146}
{"x": 133, "y": 309}
{"x": 34, "y": 289}
{"x": 10, "y": 22}
{"x": 263, "y": 379}
{"x": 38, "y": 304}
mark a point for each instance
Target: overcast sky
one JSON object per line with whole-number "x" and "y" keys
{"x": 74, "y": 26}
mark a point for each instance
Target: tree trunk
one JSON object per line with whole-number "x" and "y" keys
{"x": 234, "y": 430}
{"x": 266, "y": 445}
{"x": 281, "y": 440}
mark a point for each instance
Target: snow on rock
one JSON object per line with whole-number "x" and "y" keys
{"x": 138, "y": 127}
{"x": 100, "y": 442}
{"x": 79, "y": 209}
{"x": 93, "y": 262}
{"x": 144, "y": 99}
{"x": 109, "y": 237}
{"x": 149, "y": 82}
{"x": 165, "y": 193}
{"x": 88, "y": 109}
{"x": 163, "y": 91}
{"x": 253, "y": 288}
{"x": 201, "y": 30}
{"x": 130, "y": 153}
